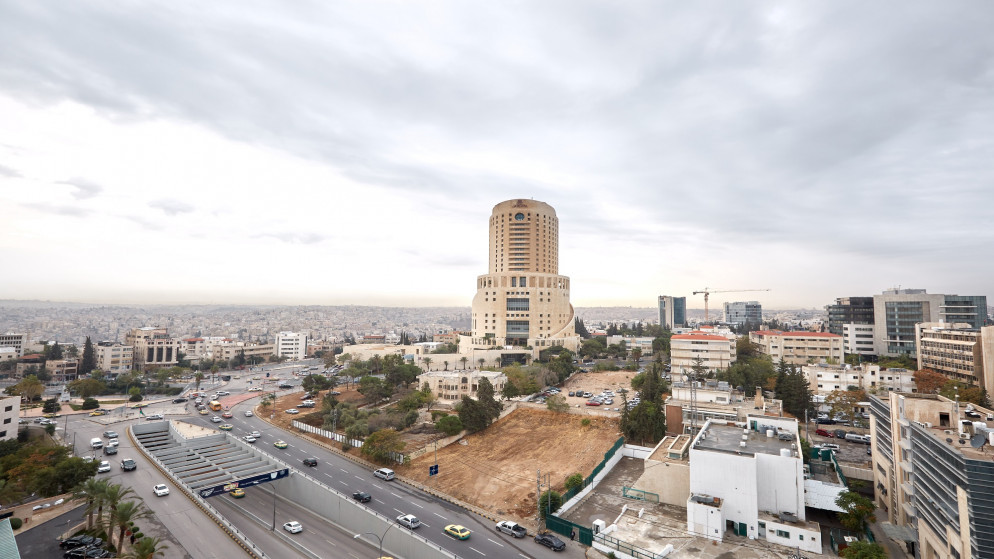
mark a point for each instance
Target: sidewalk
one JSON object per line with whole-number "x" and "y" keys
{"x": 895, "y": 549}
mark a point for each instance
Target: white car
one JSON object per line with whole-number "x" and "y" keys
{"x": 255, "y": 389}
{"x": 104, "y": 467}
{"x": 293, "y": 411}
{"x": 160, "y": 490}
{"x": 293, "y": 527}
{"x": 409, "y": 520}
{"x": 248, "y": 413}
{"x": 216, "y": 419}
{"x": 249, "y": 439}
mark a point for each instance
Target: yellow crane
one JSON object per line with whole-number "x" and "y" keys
{"x": 707, "y": 291}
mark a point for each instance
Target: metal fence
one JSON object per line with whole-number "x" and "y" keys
{"x": 625, "y": 547}
{"x": 566, "y": 528}
{"x": 395, "y": 456}
{"x": 600, "y": 467}
{"x": 639, "y": 495}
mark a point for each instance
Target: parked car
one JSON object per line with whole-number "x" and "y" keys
{"x": 385, "y": 474}
{"x": 409, "y": 520}
{"x": 823, "y": 433}
{"x": 362, "y": 496}
{"x": 88, "y": 552}
{"x": 293, "y": 411}
{"x": 855, "y": 438}
{"x": 293, "y": 527}
{"x": 512, "y": 529}
{"x": 830, "y": 446}
{"x": 458, "y": 532}
{"x": 839, "y": 433}
{"x": 825, "y": 421}
{"x": 154, "y": 417}
{"x": 80, "y": 541}
{"x": 550, "y": 541}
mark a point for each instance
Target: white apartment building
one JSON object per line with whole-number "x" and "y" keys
{"x": 291, "y": 345}
{"x": 114, "y": 358}
{"x": 643, "y": 344}
{"x": 958, "y": 351}
{"x": 825, "y": 379}
{"x": 766, "y": 497}
{"x": 10, "y": 409}
{"x": 857, "y": 338}
{"x": 230, "y": 349}
{"x": 154, "y": 348}
{"x": 798, "y": 348}
{"x": 17, "y": 341}
{"x": 716, "y": 352}
{"x": 451, "y": 386}
{"x": 8, "y": 354}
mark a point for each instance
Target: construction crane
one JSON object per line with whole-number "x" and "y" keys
{"x": 707, "y": 291}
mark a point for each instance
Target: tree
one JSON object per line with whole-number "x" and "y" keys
{"x": 550, "y": 502}
{"x": 863, "y": 549}
{"x": 114, "y": 495}
{"x": 30, "y": 388}
{"x": 87, "y": 387}
{"x": 145, "y": 548}
{"x": 89, "y": 361}
{"x": 793, "y": 389}
{"x": 574, "y": 481}
{"x": 844, "y": 403}
{"x": 72, "y": 352}
{"x": 485, "y": 395}
{"x": 427, "y": 361}
{"x": 463, "y": 360}
{"x": 473, "y": 414}
{"x": 126, "y": 513}
{"x": 557, "y": 403}
{"x": 856, "y": 510}
{"x": 51, "y": 405}
{"x": 446, "y": 365}
{"x": 928, "y": 381}
{"x": 93, "y": 491}
{"x": 380, "y": 445}
{"x": 427, "y": 396}
{"x": 90, "y": 404}
{"x": 449, "y": 424}
{"x": 374, "y": 389}
{"x": 481, "y": 361}
{"x": 135, "y": 394}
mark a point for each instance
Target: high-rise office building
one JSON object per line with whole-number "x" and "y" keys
{"x": 849, "y": 310}
{"x": 672, "y": 312}
{"x": 522, "y": 300}
{"x": 896, "y": 311}
{"x": 739, "y": 313}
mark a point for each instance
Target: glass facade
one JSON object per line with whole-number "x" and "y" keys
{"x": 849, "y": 310}
{"x": 517, "y": 304}
{"x": 517, "y": 329}
{"x": 965, "y": 308}
{"x": 900, "y": 320}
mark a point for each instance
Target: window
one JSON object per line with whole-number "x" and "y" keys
{"x": 783, "y": 534}
{"x": 6, "y": 421}
{"x": 8, "y": 408}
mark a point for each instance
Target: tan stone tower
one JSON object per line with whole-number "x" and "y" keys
{"x": 523, "y": 301}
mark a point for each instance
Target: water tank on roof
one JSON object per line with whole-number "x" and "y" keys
{"x": 769, "y": 433}
{"x": 785, "y": 452}
{"x": 742, "y": 444}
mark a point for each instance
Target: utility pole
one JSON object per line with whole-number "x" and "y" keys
{"x": 538, "y": 484}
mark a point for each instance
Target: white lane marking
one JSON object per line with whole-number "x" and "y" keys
{"x": 344, "y": 470}
{"x": 332, "y": 543}
{"x": 523, "y": 555}
{"x": 417, "y": 505}
{"x": 395, "y": 495}
{"x": 478, "y": 551}
{"x": 498, "y": 543}
{"x": 342, "y": 482}
{"x": 358, "y": 478}
{"x": 400, "y": 511}
{"x": 438, "y": 515}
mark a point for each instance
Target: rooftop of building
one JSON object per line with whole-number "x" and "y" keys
{"x": 723, "y": 437}
{"x": 790, "y": 519}
{"x": 968, "y": 428}
{"x": 673, "y": 448}
{"x": 796, "y": 334}
{"x": 699, "y": 336}
{"x": 470, "y": 372}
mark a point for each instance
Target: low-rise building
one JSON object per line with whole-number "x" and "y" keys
{"x": 450, "y": 386}
{"x": 716, "y": 352}
{"x": 958, "y": 351}
{"x": 63, "y": 370}
{"x": 825, "y": 379}
{"x": 14, "y": 340}
{"x": 154, "y": 348}
{"x": 291, "y": 345}
{"x": 641, "y": 343}
{"x": 10, "y": 409}
{"x": 857, "y": 339}
{"x": 229, "y": 349}
{"x": 798, "y": 348}
{"x": 113, "y": 358}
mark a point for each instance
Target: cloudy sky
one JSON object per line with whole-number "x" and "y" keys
{"x": 333, "y": 152}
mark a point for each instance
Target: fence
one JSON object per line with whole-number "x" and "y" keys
{"x": 567, "y": 528}
{"x": 395, "y": 456}
{"x": 639, "y": 495}
{"x": 597, "y": 469}
{"x": 625, "y": 547}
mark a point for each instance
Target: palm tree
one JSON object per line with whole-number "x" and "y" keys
{"x": 427, "y": 363}
{"x": 125, "y": 513}
{"x": 198, "y": 377}
{"x": 446, "y": 365}
{"x": 464, "y": 359}
{"x": 481, "y": 361}
{"x": 145, "y": 548}
{"x": 114, "y": 497}
{"x": 94, "y": 491}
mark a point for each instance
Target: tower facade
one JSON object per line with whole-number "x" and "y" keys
{"x": 522, "y": 300}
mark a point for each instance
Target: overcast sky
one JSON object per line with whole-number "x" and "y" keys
{"x": 333, "y": 153}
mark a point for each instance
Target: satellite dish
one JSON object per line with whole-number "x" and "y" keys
{"x": 978, "y": 440}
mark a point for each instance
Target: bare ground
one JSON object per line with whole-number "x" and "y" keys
{"x": 496, "y": 469}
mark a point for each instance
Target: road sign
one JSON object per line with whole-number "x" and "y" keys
{"x": 433, "y": 470}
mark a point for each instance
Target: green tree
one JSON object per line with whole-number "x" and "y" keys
{"x": 30, "y": 388}
{"x": 473, "y": 414}
{"x": 145, "y": 548}
{"x": 449, "y": 424}
{"x": 574, "y": 481}
{"x": 863, "y": 549}
{"x": 114, "y": 495}
{"x": 427, "y": 362}
{"x": 198, "y": 378}
{"x": 90, "y": 404}
{"x": 379, "y": 445}
{"x": 550, "y": 502}
{"x": 87, "y": 387}
{"x": 844, "y": 403}
{"x": 126, "y": 513}
{"x": 72, "y": 352}
{"x": 51, "y": 405}
{"x": 135, "y": 394}
{"x": 89, "y": 361}
{"x": 856, "y": 510}
{"x": 793, "y": 389}
{"x": 463, "y": 360}
{"x": 374, "y": 389}
{"x": 481, "y": 361}
{"x": 486, "y": 396}
{"x": 557, "y": 403}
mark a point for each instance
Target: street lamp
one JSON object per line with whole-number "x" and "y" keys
{"x": 378, "y": 538}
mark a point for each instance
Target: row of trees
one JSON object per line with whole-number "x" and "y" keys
{"x": 646, "y": 422}
{"x": 110, "y": 507}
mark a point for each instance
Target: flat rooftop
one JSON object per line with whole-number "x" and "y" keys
{"x": 726, "y": 438}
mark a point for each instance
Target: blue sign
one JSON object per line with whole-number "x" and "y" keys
{"x": 433, "y": 470}
{"x": 243, "y": 483}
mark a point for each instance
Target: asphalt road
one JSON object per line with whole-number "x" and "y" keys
{"x": 41, "y": 541}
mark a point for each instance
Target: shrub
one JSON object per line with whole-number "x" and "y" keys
{"x": 410, "y": 418}
{"x": 585, "y": 422}
{"x": 346, "y": 446}
{"x": 90, "y": 404}
{"x": 16, "y": 523}
{"x": 450, "y": 425}
{"x": 551, "y": 501}
{"x": 575, "y": 480}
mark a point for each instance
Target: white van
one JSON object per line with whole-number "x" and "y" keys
{"x": 853, "y": 437}
{"x": 385, "y": 474}
{"x": 96, "y": 442}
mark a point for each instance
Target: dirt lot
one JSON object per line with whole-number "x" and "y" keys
{"x": 496, "y": 469}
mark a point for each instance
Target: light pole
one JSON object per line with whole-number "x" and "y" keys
{"x": 378, "y": 538}
{"x": 274, "y": 506}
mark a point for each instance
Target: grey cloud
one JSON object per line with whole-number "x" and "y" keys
{"x": 144, "y": 222}
{"x": 294, "y": 237}
{"x": 9, "y": 173}
{"x": 58, "y": 209}
{"x": 84, "y": 188}
{"x": 171, "y": 207}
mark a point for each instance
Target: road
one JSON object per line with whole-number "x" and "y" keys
{"x": 253, "y": 515}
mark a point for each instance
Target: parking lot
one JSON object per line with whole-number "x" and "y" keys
{"x": 848, "y": 451}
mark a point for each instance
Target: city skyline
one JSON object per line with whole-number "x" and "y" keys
{"x": 316, "y": 155}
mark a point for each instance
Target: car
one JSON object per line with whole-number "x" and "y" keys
{"x": 80, "y": 541}
{"x": 293, "y": 527}
{"x": 249, "y": 439}
{"x": 180, "y": 400}
{"x": 51, "y": 415}
{"x": 255, "y": 434}
{"x": 198, "y": 401}
{"x": 362, "y": 496}
{"x": 550, "y": 541}
{"x": 203, "y": 411}
{"x": 825, "y": 421}
{"x": 869, "y": 451}
{"x": 87, "y": 552}
{"x": 237, "y": 493}
{"x": 512, "y": 529}
{"x": 248, "y": 413}
{"x": 227, "y": 415}
{"x": 458, "y": 532}
{"x": 113, "y": 442}
{"x": 160, "y": 490}
{"x": 409, "y": 520}
{"x": 829, "y": 446}
{"x": 593, "y": 402}
{"x": 335, "y": 393}
{"x": 310, "y": 462}
{"x": 386, "y": 474}
{"x": 280, "y": 444}
{"x": 154, "y": 417}
{"x": 226, "y": 427}
{"x": 223, "y": 393}
{"x": 293, "y": 411}
{"x": 129, "y": 465}
{"x": 823, "y": 433}
{"x": 97, "y": 413}
{"x": 110, "y": 435}
{"x": 104, "y": 467}
{"x": 285, "y": 386}
{"x": 139, "y": 405}
{"x": 216, "y": 419}
{"x": 255, "y": 389}
{"x": 840, "y": 433}
{"x": 571, "y": 393}
{"x": 109, "y": 450}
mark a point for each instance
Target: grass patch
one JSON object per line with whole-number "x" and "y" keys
{"x": 103, "y": 402}
{"x": 76, "y": 407}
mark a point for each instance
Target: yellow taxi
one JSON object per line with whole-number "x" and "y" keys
{"x": 237, "y": 493}
{"x": 96, "y": 413}
{"x": 204, "y": 412}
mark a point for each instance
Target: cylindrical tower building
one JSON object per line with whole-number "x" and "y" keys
{"x": 523, "y": 301}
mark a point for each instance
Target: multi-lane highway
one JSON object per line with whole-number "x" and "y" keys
{"x": 253, "y": 514}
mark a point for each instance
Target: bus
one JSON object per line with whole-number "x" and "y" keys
{"x": 214, "y": 405}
